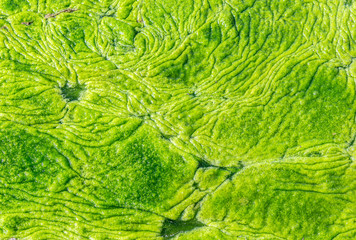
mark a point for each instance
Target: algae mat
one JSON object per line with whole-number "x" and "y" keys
{"x": 157, "y": 119}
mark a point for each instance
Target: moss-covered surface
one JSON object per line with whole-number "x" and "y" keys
{"x": 156, "y": 119}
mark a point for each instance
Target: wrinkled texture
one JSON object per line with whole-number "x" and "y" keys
{"x": 155, "y": 119}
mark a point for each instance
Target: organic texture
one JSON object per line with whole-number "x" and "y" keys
{"x": 167, "y": 119}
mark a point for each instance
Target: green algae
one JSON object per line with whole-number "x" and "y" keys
{"x": 186, "y": 119}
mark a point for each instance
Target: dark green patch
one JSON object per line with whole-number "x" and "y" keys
{"x": 144, "y": 172}
{"x": 148, "y": 172}
{"x": 72, "y": 93}
{"x": 348, "y": 2}
{"x": 13, "y": 224}
{"x": 27, "y": 161}
{"x": 314, "y": 154}
{"x": 171, "y": 228}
